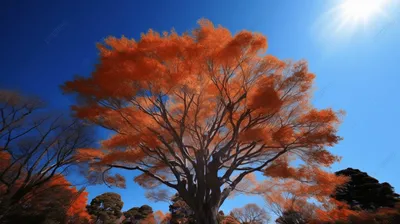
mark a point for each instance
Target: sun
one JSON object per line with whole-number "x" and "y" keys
{"x": 344, "y": 20}
{"x": 361, "y": 11}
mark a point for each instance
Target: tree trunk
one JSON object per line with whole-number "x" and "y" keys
{"x": 206, "y": 215}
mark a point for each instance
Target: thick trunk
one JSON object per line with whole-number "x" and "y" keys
{"x": 207, "y": 215}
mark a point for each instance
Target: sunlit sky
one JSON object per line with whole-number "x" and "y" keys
{"x": 355, "y": 58}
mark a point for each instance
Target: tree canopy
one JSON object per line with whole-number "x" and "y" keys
{"x": 251, "y": 214}
{"x": 180, "y": 211}
{"x": 37, "y": 147}
{"x": 202, "y": 111}
{"x": 105, "y": 208}
{"x": 363, "y": 192}
{"x": 137, "y": 214}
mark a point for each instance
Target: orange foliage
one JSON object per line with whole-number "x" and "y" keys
{"x": 56, "y": 194}
{"x": 280, "y": 169}
{"x": 77, "y": 210}
{"x": 60, "y": 189}
{"x": 335, "y": 211}
{"x": 298, "y": 186}
{"x": 229, "y": 220}
{"x": 161, "y": 218}
{"x": 4, "y": 159}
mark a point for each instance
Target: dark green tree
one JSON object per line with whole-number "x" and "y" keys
{"x": 364, "y": 192}
{"x": 136, "y": 214}
{"x": 106, "y": 208}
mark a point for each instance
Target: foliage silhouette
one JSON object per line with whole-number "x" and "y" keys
{"x": 364, "y": 192}
{"x": 105, "y": 208}
{"x": 137, "y": 214}
{"x": 37, "y": 147}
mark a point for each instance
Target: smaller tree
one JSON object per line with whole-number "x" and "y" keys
{"x": 161, "y": 217}
{"x": 229, "y": 220}
{"x": 138, "y": 214}
{"x": 106, "y": 208}
{"x": 226, "y": 219}
{"x": 180, "y": 211}
{"x": 251, "y": 214}
{"x": 36, "y": 146}
{"x": 291, "y": 217}
{"x": 364, "y": 192}
{"x": 54, "y": 202}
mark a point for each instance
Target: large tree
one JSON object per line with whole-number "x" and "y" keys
{"x": 105, "y": 208}
{"x": 36, "y": 146}
{"x": 200, "y": 112}
{"x": 363, "y": 192}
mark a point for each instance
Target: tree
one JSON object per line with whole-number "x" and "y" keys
{"x": 370, "y": 201}
{"x": 180, "y": 211}
{"x": 161, "y": 218}
{"x": 105, "y": 208}
{"x": 364, "y": 192}
{"x": 57, "y": 201}
{"x": 229, "y": 220}
{"x": 220, "y": 217}
{"x": 137, "y": 214}
{"x": 201, "y": 111}
{"x": 36, "y": 146}
{"x": 292, "y": 217}
{"x": 250, "y": 214}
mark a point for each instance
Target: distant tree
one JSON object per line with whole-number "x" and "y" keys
{"x": 180, "y": 211}
{"x": 105, "y": 208}
{"x": 130, "y": 215}
{"x": 201, "y": 111}
{"x": 380, "y": 216}
{"x": 364, "y": 192}
{"x": 138, "y": 214}
{"x": 228, "y": 219}
{"x": 36, "y": 146}
{"x": 144, "y": 212}
{"x": 161, "y": 218}
{"x": 307, "y": 193}
{"x": 251, "y": 214}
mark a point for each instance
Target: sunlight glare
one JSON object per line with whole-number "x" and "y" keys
{"x": 356, "y": 11}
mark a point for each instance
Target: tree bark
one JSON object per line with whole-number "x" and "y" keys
{"x": 206, "y": 214}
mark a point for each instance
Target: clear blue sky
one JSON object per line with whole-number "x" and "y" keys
{"x": 44, "y": 43}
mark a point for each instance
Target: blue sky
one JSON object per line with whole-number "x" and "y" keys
{"x": 44, "y": 43}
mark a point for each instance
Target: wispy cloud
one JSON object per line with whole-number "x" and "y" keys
{"x": 55, "y": 32}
